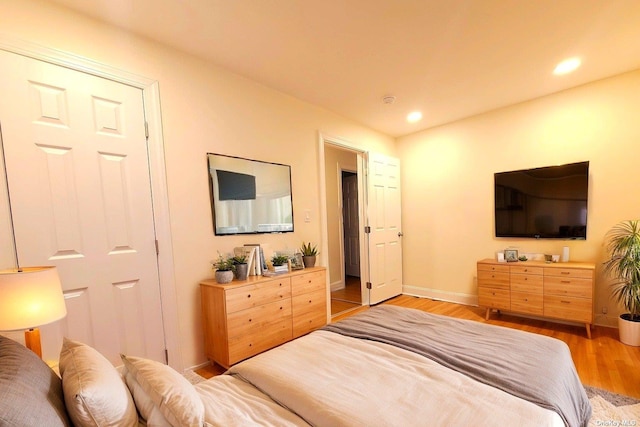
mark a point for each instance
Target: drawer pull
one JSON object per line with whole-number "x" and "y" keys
{"x": 526, "y": 300}
{"x": 309, "y": 301}
{"x": 565, "y": 281}
{"x": 309, "y": 281}
{"x": 565, "y": 302}
{"x": 250, "y": 320}
{"x": 565, "y": 272}
{"x": 249, "y": 296}
{"x": 280, "y": 308}
{"x": 525, "y": 270}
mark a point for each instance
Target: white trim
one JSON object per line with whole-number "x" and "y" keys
{"x": 151, "y": 98}
{"x": 440, "y": 295}
{"x": 336, "y": 286}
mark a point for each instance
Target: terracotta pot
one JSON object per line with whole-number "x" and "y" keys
{"x": 309, "y": 261}
{"x": 629, "y": 331}
{"x": 223, "y": 277}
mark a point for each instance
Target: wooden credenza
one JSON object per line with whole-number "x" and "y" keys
{"x": 242, "y": 319}
{"x": 562, "y": 291}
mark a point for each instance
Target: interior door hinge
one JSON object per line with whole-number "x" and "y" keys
{"x": 166, "y": 356}
{"x": 367, "y": 229}
{"x": 157, "y": 248}
{"x": 146, "y": 130}
{"x": 368, "y": 285}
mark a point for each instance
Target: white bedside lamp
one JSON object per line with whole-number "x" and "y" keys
{"x": 30, "y": 297}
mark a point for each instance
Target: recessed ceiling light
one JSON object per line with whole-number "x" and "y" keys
{"x": 567, "y": 66}
{"x": 414, "y": 116}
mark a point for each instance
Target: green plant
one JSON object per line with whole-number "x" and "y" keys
{"x": 239, "y": 259}
{"x": 623, "y": 265}
{"x": 222, "y": 263}
{"x": 308, "y": 250}
{"x": 279, "y": 260}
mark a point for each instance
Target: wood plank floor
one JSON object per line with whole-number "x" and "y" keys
{"x": 602, "y": 361}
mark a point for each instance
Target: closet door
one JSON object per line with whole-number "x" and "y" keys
{"x": 79, "y": 188}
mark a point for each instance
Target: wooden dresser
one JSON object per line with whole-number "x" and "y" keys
{"x": 562, "y": 291}
{"x": 244, "y": 318}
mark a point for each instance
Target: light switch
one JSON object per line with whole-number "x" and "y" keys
{"x": 307, "y": 215}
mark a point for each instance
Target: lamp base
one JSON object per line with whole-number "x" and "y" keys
{"x": 32, "y": 341}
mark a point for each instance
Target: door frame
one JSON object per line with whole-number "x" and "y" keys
{"x": 324, "y": 139}
{"x": 155, "y": 146}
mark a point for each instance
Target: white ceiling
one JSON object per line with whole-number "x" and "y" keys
{"x": 448, "y": 58}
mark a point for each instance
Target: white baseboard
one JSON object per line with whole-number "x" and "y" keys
{"x": 196, "y": 367}
{"x": 336, "y": 286}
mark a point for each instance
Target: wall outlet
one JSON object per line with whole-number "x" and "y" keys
{"x": 604, "y": 310}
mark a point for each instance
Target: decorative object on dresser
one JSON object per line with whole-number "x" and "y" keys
{"x": 551, "y": 290}
{"x": 623, "y": 244}
{"x": 224, "y": 269}
{"x": 240, "y": 267}
{"x": 511, "y": 255}
{"x": 244, "y": 319}
{"x": 309, "y": 254}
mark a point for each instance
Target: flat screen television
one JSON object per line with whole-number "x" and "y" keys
{"x": 249, "y": 196}
{"x": 543, "y": 203}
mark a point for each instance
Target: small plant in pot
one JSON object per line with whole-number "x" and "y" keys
{"x": 309, "y": 254}
{"x": 240, "y": 267}
{"x": 623, "y": 244}
{"x": 224, "y": 269}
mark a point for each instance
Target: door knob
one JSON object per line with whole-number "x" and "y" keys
{"x": 400, "y": 234}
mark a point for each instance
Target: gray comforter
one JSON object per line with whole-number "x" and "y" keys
{"x": 530, "y": 366}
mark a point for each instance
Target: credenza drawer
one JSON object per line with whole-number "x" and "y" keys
{"x": 308, "y": 282}
{"x": 568, "y": 308}
{"x": 523, "y": 302}
{"x": 493, "y": 279}
{"x": 494, "y": 298}
{"x": 309, "y": 312}
{"x": 243, "y": 297}
{"x": 493, "y": 268}
{"x": 244, "y": 346}
{"x": 521, "y": 269}
{"x": 572, "y": 287}
{"x": 569, "y": 272}
{"x": 526, "y": 283}
{"x": 258, "y": 318}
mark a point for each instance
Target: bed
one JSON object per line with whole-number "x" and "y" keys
{"x": 386, "y": 366}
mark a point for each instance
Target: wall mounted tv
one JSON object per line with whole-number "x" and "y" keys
{"x": 249, "y": 196}
{"x": 548, "y": 202}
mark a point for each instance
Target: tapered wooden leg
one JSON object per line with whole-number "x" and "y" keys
{"x": 588, "y": 326}
{"x": 486, "y": 316}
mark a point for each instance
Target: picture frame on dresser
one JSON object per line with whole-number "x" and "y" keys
{"x": 511, "y": 255}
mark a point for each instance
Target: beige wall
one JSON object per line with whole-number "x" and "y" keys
{"x": 447, "y": 178}
{"x": 336, "y": 160}
{"x": 204, "y": 109}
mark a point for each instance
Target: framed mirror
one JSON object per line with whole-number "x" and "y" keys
{"x": 249, "y": 196}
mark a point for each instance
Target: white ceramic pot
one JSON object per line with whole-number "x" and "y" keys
{"x": 223, "y": 277}
{"x": 629, "y": 332}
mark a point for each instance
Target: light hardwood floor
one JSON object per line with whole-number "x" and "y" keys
{"x": 602, "y": 361}
{"x": 348, "y": 297}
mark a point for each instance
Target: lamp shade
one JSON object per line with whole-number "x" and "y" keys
{"x": 30, "y": 297}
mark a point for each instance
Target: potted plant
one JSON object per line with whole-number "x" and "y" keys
{"x": 308, "y": 254}
{"x": 623, "y": 244}
{"x": 240, "y": 267}
{"x": 224, "y": 269}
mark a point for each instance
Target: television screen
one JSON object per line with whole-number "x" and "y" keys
{"x": 249, "y": 196}
{"x": 548, "y": 202}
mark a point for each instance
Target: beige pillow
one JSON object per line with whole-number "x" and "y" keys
{"x": 169, "y": 391}
{"x": 94, "y": 391}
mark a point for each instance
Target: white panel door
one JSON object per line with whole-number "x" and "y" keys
{"x": 385, "y": 249}
{"x": 78, "y": 177}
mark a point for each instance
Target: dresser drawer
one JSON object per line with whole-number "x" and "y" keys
{"x": 582, "y": 273}
{"x": 568, "y": 308}
{"x": 494, "y": 298}
{"x": 526, "y": 283}
{"x": 524, "y": 269}
{"x": 522, "y": 302}
{"x": 572, "y": 287}
{"x": 309, "y": 312}
{"x": 245, "y": 346}
{"x": 493, "y": 279}
{"x": 259, "y": 318}
{"x": 308, "y": 282}
{"x": 243, "y": 297}
{"x": 493, "y": 268}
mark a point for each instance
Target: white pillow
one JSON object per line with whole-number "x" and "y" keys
{"x": 169, "y": 391}
{"x": 94, "y": 391}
